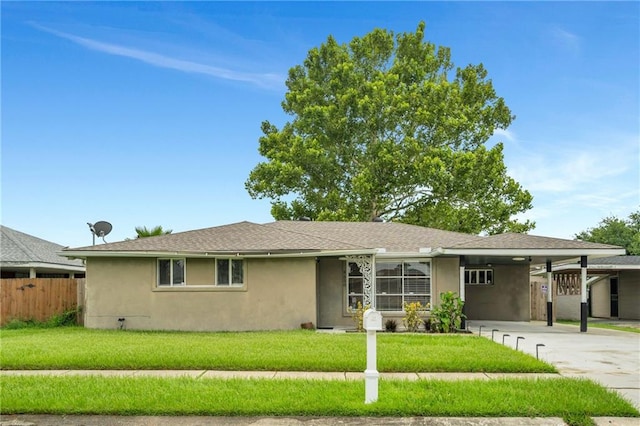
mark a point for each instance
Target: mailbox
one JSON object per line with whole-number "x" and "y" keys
{"x": 372, "y": 320}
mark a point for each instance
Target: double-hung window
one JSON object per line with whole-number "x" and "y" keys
{"x": 171, "y": 272}
{"x": 229, "y": 272}
{"x": 399, "y": 282}
{"x": 354, "y": 285}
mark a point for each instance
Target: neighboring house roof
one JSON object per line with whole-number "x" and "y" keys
{"x": 601, "y": 265}
{"x": 633, "y": 261}
{"x": 289, "y": 237}
{"x": 20, "y": 249}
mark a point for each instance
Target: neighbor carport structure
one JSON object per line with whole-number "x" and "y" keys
{"x": 515, "y": 249}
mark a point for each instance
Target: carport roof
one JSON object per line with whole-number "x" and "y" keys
{"x": 525, "y": 241}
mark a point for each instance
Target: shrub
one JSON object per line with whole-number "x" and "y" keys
{"x": 66, "y": 319}
{"x": 390, "y": 325}
{"x": 447, "y": 317}
{"x": 428, "y": 325}
{"x": 412, "y": 318}
{"x": 357, "y": 315}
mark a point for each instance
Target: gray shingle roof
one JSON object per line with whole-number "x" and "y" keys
{"x": 616, "y": 260}
{"x": 395, "y": 237}
{"x": 19, "y": 248}
{"x": 301, "y": 236}
{"x": 237, "y": 237}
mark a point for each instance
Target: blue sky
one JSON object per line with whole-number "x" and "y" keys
{"x": 149, "y": 113}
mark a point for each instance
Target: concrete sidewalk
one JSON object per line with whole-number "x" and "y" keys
{"x": 307, "y": 375}
{"x": 83, "y": 420}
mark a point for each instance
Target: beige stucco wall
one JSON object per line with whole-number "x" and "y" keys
{"x": 507, "y": 299}
{"x": 279, "y": 294}
{"x": 601, "y": 298}
{"x": 568, "y": 307}
{"x": 445, "y": 277}
{"x": 629, "y": 295}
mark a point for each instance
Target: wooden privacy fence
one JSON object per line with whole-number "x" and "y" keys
{"x": 38, "y": 298}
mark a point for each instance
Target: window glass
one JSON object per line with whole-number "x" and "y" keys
{"x": 236, "y": 271}
{"x": 389, "y": 303}
{"x": 178, "y": 271}
{"x": 222, "y": 270}
{"x": 355, "y": 285}
{"x": 416, "y": 285}
{"x": 164, "y": 272}
{"x": 388, "y": 269}
{"x": 417, "y": 268}
{"x": 389, "y": 285}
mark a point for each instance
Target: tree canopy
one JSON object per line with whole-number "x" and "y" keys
{"x": 384, "y": 126}
{"x": 616, "y": 231}
{"x": 143, "y": 231}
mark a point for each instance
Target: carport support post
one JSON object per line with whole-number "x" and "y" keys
{"x": 549, "y": 295}
{"x": 463, "y": 322}
{"x": 583, "y": 294}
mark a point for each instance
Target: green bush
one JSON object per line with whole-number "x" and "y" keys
{"x": 66, "y": 319}
{"x": 447, "y": 317}
{"x": 390, "y": 325}
{"x": 413, "y": 315}
{"x": 357, "y": 315}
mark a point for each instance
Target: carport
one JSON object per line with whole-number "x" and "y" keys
{"x": 516, "y": 255}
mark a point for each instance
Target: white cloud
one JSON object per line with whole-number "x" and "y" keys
{"x": 507, "y": 134}
{"x": 266, "y": 80}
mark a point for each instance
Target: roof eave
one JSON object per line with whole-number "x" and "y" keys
{"x": 212, "y": 254}
{"x": 43, "y": 265}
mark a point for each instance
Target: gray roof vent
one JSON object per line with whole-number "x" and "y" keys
{"x": 304, "y": 219}
{"x": 377, "y": 219}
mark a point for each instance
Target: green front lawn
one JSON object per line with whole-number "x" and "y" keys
{"x": 567, "y": 398}
{"x": 301, "y": 350}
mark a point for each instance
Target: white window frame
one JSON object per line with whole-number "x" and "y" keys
{"x": 171, "y": 266}
{"x": 230, "y": 272}
{"x": 404, "y": 295}
{"x": 359, "y": 296}
{"x": 479, "y": 276}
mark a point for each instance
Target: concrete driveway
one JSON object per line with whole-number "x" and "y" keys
{"x": 609, "y": 357}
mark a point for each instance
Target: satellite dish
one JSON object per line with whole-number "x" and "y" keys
{"x": 101, "y": 229}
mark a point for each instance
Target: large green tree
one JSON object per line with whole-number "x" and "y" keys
{"x": 384, "y": 126}
{"x": 616, "y": 231}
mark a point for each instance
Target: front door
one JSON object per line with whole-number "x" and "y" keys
{"x": 613, "y": 283}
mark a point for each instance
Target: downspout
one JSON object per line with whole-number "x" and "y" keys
{"x": 549, "y": 295}
{"x": 463, "y": 322}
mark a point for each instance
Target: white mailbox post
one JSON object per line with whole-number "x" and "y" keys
{"x": 372, "y": 322}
